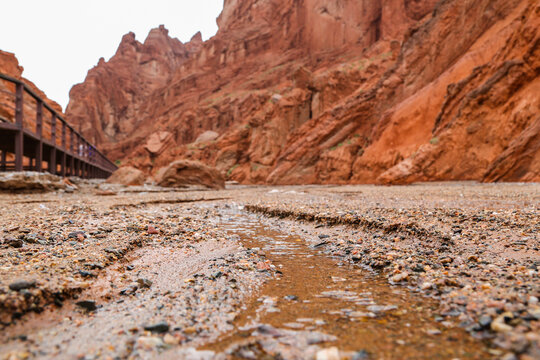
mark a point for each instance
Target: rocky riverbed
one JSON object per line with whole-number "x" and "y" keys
{"x": 439, "y": 270}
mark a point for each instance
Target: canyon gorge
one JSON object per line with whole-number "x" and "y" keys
{"x": 320, "y": 92}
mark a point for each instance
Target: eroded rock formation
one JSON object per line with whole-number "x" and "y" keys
{"x": 186, "y": 173}
{"x": 9, "y": 65}
{"x": 318, "y": 91}
{"x": 127, "y": 175}
{"x": 112, "y": 102}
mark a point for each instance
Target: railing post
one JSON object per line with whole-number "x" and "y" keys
{"x": 71, "y": 142}
{"x": 3, "y": 161}
{"x": 78, "y": 152}
{"x": 39, "y": 133}
{"x": 19, "y": 136}
{"x": 63, "y": 160}
{"x": 52, "y": 160}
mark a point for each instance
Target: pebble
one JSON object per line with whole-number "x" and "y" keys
{"x": 31, "y": 238}
{"x": 322, "y": 243}
{"x": 361, "y": 314}
{"x": 171, "y": 340}
{"x": 360, "y": 355}
{"x": 130, "y": 290}
{"x": 294, "y": 325}
{"x": 22, "y": 284}
{"x": 152, "y": 230}
{"x": 79, "y": 235}
{"x": 381, "y": 308}
{"x": 328, "y": 354}
{"x": 399, "y": 277}
{"x": 149, "y": 343}
{"x": 14, "y": 243}
{"x": 509, "y": 356}
{"x": 485, "y": 321}
{"x": 499, "y": 324}
{"x": 89, "y": 305}
{"x": 161, "y": 327}
{"x": 144, "y": 283}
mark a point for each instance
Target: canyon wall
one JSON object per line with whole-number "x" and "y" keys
{"x": 111, "y": 103}
{"x": 318, "y": 91}
{"x": 9, "y": 65}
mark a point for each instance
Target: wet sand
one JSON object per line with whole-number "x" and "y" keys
{"x": 445, "y": 271}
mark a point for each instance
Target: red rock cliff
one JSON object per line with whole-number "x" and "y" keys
{"x": 9, "y": 65}
{"x": 320, "y": 91}
{"x": 111, "y": 103}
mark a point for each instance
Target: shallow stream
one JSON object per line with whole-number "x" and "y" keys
{"x": 318, "y": 293}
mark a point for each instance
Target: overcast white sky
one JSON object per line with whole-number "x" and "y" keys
{"x": 58, "y": 41}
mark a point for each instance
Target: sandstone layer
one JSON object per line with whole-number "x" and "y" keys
{"x": 185, "y": 173}
{"x": 127, "y": 176}
{"x": 9, "y": 65}
{"x": 314, "y": 91}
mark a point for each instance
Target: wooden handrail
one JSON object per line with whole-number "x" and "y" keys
{"x": 66, "y": 127}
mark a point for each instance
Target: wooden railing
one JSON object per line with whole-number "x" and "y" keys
{"x": 53, "y": 140}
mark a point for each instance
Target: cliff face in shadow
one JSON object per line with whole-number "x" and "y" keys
{"x": 318, "y": 91}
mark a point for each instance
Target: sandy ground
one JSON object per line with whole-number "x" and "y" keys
{"x": 164, "y": 276}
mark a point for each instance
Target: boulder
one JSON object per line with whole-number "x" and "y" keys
{"x": 127, "y": 175}
{"x": 207, "y": 136}
{"x": 29, "y": 181}
{"x": 158, "y": 142}
{"x": 183, "y": 173}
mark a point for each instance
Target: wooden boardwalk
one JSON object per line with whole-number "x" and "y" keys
{"x": 34, "y": 136}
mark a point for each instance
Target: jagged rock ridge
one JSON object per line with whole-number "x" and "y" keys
{"x": 316, "y": 91}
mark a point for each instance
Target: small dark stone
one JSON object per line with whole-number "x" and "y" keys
{"x": 291, "y": 297}
{"x": 217, "y": 275}
{"x": 22, "y": 284}
{"x": 115, "y": 252}
{"x": 130, "y": 267}
{"x": 361, "y": 355}
{"x": 144, "y": 283}
{"x": 15, "y": 243}
{"x": 130, "y": 290}
{"x": 320, "y": 244}
{"x": 89, "y": 305}
{"x": 85, "y": 273}
{"x": 93, "y": 266}
{"x": 31, "y": 238}
{"x": 323, "y": 237}
{"x": 161, "y": 327}
{"x": 75, "y": 234}
{"x": 485, "y": 321}
{"x": 26, "y": 293}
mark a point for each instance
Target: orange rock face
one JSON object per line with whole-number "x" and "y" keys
{"x": 185, "y": 173}
{"x": 318, "y": 91}
{"x": 111, "y": 105}
{"x": 9, "y": 65}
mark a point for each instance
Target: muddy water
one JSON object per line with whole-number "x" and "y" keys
{"x": 318, "y": 293}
